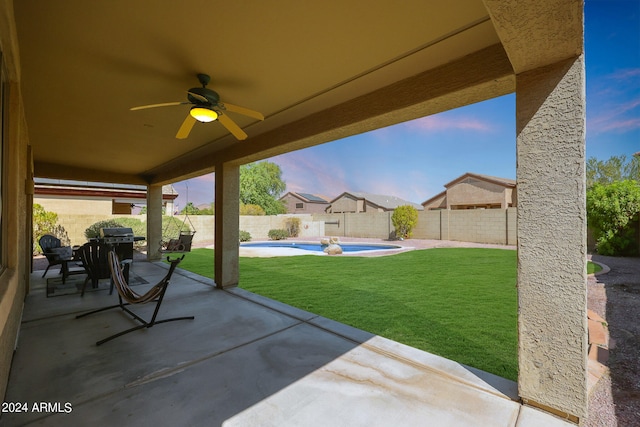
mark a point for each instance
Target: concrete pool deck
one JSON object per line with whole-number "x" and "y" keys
{"x": 406, "y": 245}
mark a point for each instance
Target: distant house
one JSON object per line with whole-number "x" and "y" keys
{"x": 475, "y": 191}
{"x": 366, "y": 202}
{"x": 95, "y": 198}
{"x": 304, "y": 203}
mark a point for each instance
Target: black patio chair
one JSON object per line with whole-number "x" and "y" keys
{"x": 127, "y": 296}
{"x": 48, "y": 243}
{"x": 57, "y": 254}
{"x": 94, "y": 256}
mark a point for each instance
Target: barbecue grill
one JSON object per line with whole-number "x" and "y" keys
{"x": 121, "y": 239}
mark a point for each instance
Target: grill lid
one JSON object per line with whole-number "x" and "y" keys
{"x": 116, "y": 232}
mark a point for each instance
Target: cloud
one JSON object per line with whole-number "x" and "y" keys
{"x": 208, "y": 178}
{"x": 620, "y": 125}
{"x": 623, "y": 117}
{"x": 440, "y": 123}
{"x": 625, "y": 74}
{"x": 414, "y": 186}
{"x": 308, "y": 172}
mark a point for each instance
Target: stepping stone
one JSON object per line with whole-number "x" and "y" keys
{"x": 598, "y": 334}
{"x": 595, "y": 316}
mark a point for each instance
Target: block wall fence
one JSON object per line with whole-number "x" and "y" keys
{"x": 496, "y": 226}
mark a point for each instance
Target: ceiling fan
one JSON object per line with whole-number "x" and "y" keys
{"x": 207, "y": 107}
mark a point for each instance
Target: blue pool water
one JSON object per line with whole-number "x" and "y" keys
{"x": 317, "y": 247}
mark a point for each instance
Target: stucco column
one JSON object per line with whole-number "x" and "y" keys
{"x": 227, "y": 224}
{"x": 552, "y": 293}
{"x": 154, "y": 222}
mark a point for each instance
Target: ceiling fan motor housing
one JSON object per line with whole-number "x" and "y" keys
{"x": 211, "y": 96}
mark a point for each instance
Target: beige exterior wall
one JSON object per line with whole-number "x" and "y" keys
{"x": 17, "y": 191}
{"x": 439, "y": 203}
{"x": 291, "y": 201}
{"x": 73, "y": 205}
{"x": 346, "y": 204}
{"x": 369, "y": 207}
{"x": 474, "y": 191}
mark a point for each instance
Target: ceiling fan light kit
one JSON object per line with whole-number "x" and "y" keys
{"x": 207, "y": 107}
{"x": 203, "y": 115}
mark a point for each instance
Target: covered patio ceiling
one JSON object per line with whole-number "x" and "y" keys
{"x": 318, "y": 71}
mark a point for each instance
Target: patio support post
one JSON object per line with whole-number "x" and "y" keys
{"x": 154, "y": 221}
{"x": 552, "y": 293}
{"x": 227, "y": 224}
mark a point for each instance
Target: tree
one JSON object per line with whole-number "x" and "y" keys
{"x": 616, "y": 168}
{"x": 190, "y": 210}
{"x": 261, "y": 184}
{"x": 612, "y": 211}
{"x": 211, "y": 210}
{"x": 404, "y": 218}
{"x": 253, "y": 210}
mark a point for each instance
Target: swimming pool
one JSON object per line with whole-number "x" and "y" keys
{"x": 317, "y": 247}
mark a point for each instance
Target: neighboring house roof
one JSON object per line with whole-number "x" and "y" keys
{"x": 306, "y": 197}
{"x": 59, "y": 187}
{"x": 496, "y": 180}
{"x": 434, "y": 198}
{"x": 380, "y": 200}
{"x": 506, "y": 182}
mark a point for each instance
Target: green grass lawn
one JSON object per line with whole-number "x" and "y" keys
{"x": 459, "y": 303}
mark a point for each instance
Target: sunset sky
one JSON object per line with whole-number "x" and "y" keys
{"x": 413, "y": 160}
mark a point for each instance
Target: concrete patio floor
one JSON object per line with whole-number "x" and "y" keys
{"x": 244, "y": 361}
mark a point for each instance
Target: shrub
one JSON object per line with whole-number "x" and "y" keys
{"x": 93, "y": 231}
{"x": 293, "y": 226}
{"x": 404, "y": 218}
{"x": 45, "y": 222}
{"x": 172, "y": 227}
{"x": 278, "y": 234}
{"x": 251, "y": 210}
{"x": 245, "y": 236}
{"x": 139, "y": 228}
{"x": 611, "y": 212}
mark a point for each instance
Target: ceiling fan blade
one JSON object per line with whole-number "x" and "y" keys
{"x": 166, "y": 104}
{"x": 232, "y": 127}
{"x": 198, "y": 97}
{"x": 243, "y": 111}
{"x": 185, "y": 129}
